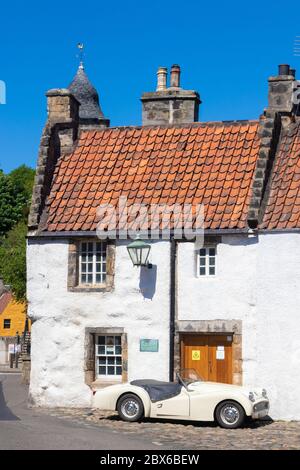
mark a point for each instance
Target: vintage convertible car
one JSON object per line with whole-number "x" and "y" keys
{"x": 190, "y": 398}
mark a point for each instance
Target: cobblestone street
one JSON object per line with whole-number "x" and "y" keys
{"x": 204, "y": 436}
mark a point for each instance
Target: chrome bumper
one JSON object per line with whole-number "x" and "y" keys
{"x": 260, "y": 409}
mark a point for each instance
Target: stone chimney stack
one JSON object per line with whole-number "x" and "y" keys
{"x": 63, "y": 112}
{"x": 59, "y": 135}
{"x": 282, "y": 94}
{"x": 173, "y": 105}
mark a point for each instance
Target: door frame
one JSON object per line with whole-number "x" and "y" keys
{"x": 206, "y": 335}
{"x": 214, "y": 327}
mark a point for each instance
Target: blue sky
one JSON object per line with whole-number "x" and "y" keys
{"x": 226, "y": 51}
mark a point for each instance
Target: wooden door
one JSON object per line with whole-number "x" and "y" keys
{"x": 209, "y": 355}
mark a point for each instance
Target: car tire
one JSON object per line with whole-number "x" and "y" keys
{"x": 230, "y": 414}
{"x": 130, "y": 407}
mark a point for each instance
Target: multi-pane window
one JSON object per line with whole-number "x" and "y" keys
{"x": 6, "y": 323}
{"x": 206, "y": 265}
{"x": 92, "y": 262}
{"x": 109, "y": 356}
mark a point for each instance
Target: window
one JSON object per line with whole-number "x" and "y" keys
{"x": 6, "y": 323}
{"x": 92, "y": 263}
{"x": 109, "y": 356}
{"x": 206, "y": 262}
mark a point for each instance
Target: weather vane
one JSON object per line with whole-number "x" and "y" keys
{"x": 80, "y": 47}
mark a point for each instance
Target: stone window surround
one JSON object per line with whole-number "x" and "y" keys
{"x": 90, "y": 359}
{"x": 73, "y": 267}
{"x": 232, "y": 327}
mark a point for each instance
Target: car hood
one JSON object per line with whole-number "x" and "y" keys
{"x": 221, "y": 387}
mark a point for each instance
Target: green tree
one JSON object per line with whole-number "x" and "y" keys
{"x": 13, "y": 260}
{"x": 15, "y": 195}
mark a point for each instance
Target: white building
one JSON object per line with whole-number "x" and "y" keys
{"x": 228, "y": 309}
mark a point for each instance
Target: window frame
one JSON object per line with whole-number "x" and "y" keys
{"x": 6, "y": 320}
{"x": 94, "y": 264}
{"x": 108, "y": 377}
{"x": 207, "y": 247}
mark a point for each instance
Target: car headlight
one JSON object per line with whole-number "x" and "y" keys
{"x": 251, "y": 396}
{"x": 264, "y": 393}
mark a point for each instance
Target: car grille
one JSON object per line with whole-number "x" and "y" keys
{"x": 263, "y": 405}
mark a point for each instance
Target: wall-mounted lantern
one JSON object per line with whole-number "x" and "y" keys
{"x": 139, "y": 252}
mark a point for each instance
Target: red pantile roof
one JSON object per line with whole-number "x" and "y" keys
{"x": 283, "y": 205}
{"x": 5, "y": 298}
{"x": 212, "y": 164}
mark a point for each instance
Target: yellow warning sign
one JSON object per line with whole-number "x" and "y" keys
{"x": 196, "y": 355}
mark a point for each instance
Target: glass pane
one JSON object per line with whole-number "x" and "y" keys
{"x": 111, "y": 360}
{"x": 119, "y": 370}
{"x": 83, "y": 279}
{"x": 212, "y": 271}
{"x": 202, "y": 261}
{"x": 83, "y": 258}
{"x": 118, "y": 349}
{"x": 90, "y": 267}
{"x": 212, "y": 261}
{"x": 90, "y": 258}
{"x": 110, "y": 340}
{"x": 117, "y": 339}
{"x": 83, "y": 247}
{"x": 202, "y": 252}
{"x": 110, "y": 370}
{"x": 202, "y": 271}
{"x": 98, "y": 267}
{"x": 103, "y": 277}
{"x": 102, "y": 360}
{"x": 212, "y": 252}
{"x": 102, "y": 370}
{"x": 90, "y": 246}
{"x": 101, "y": 349}
{"x": 101, "y": 339}
{"x": 98, "y": 278}
{"x": 118, "y": 360}
{"x": 90, "y": 278}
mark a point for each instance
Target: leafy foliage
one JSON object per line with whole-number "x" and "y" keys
{"x": 15, "y": 191}
{"x": 15, "y": 194}
{"x": 13, "y": 260}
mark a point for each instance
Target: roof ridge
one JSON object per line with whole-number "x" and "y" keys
{"x": 177, "y": 126}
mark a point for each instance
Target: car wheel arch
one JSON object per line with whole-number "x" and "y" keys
{"x": 229, "y": 399}
{"x": 146, "y": 408}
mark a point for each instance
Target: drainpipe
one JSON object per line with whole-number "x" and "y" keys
{"x": 173, "y": 254}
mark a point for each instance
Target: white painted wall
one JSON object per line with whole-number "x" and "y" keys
{"x": 258, "y": 282}
{"x": 57, "y": 377}
{"x": 230, "y": 295}
{"x": 278, "y": 321}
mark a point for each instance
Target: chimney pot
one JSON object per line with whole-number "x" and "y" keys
{"x": 175, "y": 76}
{"x": 283, "y": 69}
{"x": 161, "y": 78}
{"x": 293, "y": 72}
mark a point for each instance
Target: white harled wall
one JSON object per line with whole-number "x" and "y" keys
{"x": 257, "y": 282}
{"x": 139, "y": 303}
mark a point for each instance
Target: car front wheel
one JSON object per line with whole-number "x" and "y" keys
{"x": 230, "y": 415}
{"x": 130, "y": 408}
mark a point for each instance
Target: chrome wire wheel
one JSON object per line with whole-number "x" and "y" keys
{"x": 230, "y": 414}
{"x": 130, "y": 408}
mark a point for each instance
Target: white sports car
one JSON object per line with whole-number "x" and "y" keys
{"x": 190, "y": 398}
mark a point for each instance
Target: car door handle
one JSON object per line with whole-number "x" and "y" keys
{"x": 159, "y": 405}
